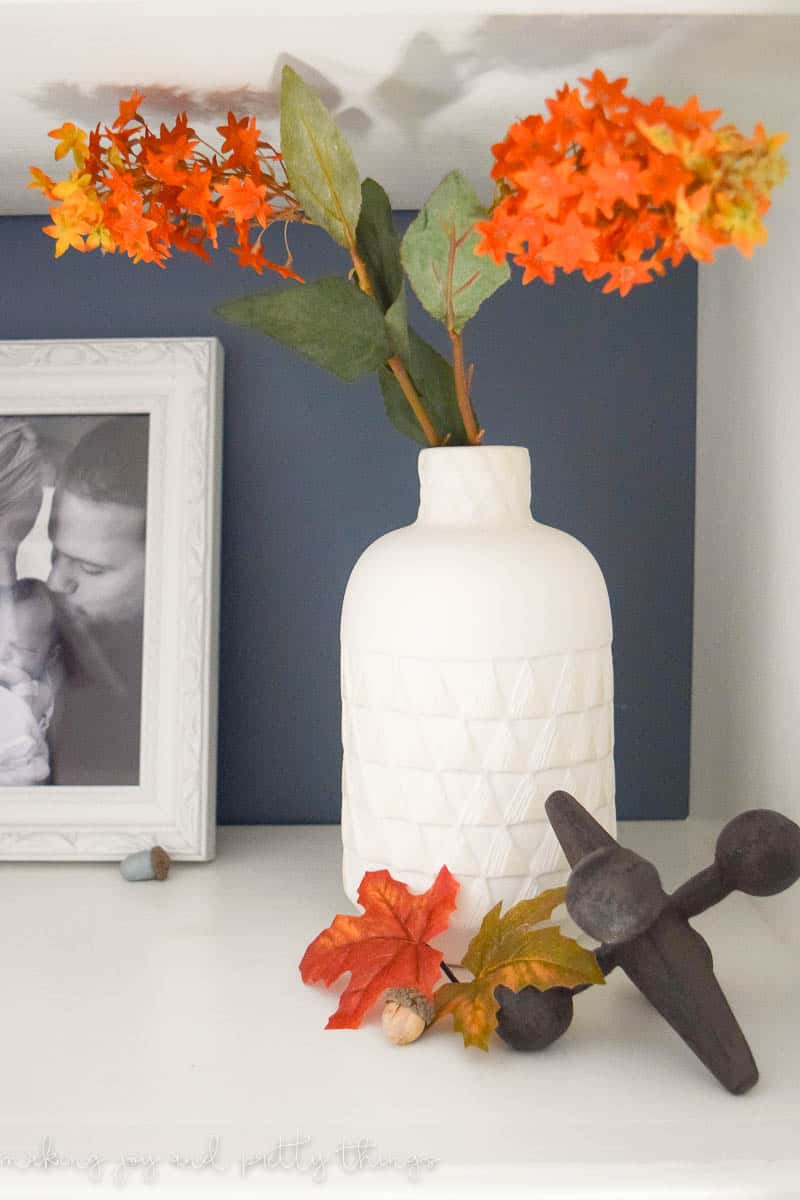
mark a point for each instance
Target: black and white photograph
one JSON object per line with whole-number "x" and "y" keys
{"x": 109, "y": 579}
{"x": 73, "y": 547}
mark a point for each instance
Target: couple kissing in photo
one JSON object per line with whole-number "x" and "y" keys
{"x": 71, "y": 638}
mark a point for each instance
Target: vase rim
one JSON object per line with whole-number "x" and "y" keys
{"x": 482, "y": 487}
{"x": 473, "y": 449}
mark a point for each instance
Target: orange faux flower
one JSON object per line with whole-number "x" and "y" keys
{"x": 545, "y": 185}
{"x": 146, "y": 194}
{"x": 618, "y": 188}
{"x": 128, "y": 110}
{"x": 70, "y": 139}
{"x": 241, "y": 140}
{"x": 244, "y": 200}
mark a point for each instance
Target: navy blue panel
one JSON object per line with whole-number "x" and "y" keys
{"x": 602, "y": 391}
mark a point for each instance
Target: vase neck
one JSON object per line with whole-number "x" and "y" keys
{"x": 475, "y": 487}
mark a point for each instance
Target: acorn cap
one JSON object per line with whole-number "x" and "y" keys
{"x": 409, "y": 997}
{"x": 161, "y": 861}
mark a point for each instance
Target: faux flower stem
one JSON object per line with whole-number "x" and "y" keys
{"x": 402, "y": 376}
{"x": 395, "y": 364}
{"x": 474, "y": 435}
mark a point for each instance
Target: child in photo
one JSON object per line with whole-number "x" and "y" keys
{"x": 28, "y": 635}
{"x": 28, "y": 664}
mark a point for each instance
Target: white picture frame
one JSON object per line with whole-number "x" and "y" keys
{"x": 178, "y": 383}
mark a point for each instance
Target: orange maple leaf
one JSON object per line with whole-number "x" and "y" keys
{"x": 385, "y": 946}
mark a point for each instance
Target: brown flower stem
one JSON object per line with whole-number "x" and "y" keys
{"x": 360, "y": 268}
{"x": 474, "y": 435}
{"x": 448, "y": 972}
{"x": 395, "y": 364}
{"x": 402, "y": 376}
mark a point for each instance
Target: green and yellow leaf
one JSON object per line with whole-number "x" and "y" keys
{"x": 319, "y": 161}
{"x": 507, "y": 950}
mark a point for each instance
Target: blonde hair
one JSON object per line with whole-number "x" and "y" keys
{"x": 20, "y": 465}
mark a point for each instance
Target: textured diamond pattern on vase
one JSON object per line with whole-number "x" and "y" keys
{"x": 538, "y": 687}
{"x": 452, "y": 761}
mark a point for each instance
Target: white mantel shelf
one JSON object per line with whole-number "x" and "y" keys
{"x": 147, "y": 1019}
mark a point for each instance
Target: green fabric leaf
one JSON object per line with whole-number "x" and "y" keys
{"x": 318, "y": 160}
{"x": 379, "y": 246}
{"x": 450, "y": 280}
{"x": 432, "y": 376}
{"x": 329, "y": 321}
{"x": 378, "y": 243}
{"x": 397, "y": 326}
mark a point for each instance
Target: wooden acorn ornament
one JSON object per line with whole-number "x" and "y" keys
{"x": 616, "y": 896}
{"x": 146, "y": 864}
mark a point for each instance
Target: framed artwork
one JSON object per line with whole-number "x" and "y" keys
{"x": 110, "y": 457}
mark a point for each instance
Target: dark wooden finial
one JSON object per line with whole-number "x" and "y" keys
{"x": 616, "y": 896}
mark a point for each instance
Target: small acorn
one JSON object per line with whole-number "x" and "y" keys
{"x": 146, "y": 864}
{"x": 406, "y": 1015}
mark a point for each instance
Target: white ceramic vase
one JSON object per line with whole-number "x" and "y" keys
{"x": 476, "y": 680}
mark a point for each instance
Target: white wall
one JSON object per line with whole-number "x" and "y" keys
{"x": 417, "y": 92}
{"x": 746, "y": 690}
